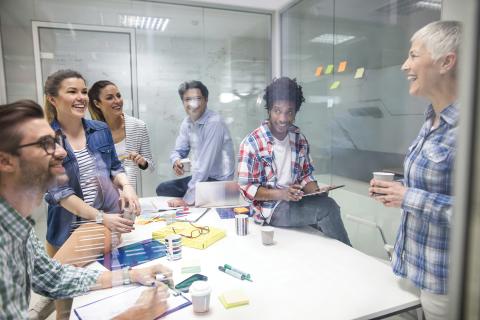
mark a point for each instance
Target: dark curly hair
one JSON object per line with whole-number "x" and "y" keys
{"x": 283, "y": 89}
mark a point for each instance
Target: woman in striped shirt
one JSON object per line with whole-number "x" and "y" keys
{"x": 94, "y": 171}
{"x": 130, "y": 135}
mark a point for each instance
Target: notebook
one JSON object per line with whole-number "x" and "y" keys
{"x": 111, "y": 306}
{"x": 185, "y": 228}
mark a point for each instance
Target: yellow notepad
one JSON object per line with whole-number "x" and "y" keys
{"x": 203, "y": 241}
{"x": 233, "y": 298}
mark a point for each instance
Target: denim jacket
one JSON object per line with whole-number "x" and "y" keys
{"x": 61, "y": 222}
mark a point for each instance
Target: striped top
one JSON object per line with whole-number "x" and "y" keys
{"x": 88, "y": 175}
{"x": 137, "y": 140}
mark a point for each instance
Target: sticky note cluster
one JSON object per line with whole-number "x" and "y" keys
{"x": 233, "y": 298}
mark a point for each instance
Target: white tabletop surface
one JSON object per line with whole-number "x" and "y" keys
{"x": 304, "y": 275}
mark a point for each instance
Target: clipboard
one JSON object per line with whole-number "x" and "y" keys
{"x": 111, "y": 306}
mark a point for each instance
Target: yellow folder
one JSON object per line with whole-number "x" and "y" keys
{"x": 187, "y": 229}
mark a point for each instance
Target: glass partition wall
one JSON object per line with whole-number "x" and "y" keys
{"x": 358, "y": 115}
{"x": 147, "y": 49}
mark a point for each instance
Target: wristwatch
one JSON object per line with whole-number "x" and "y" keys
{"x": 126, "y": 276}
{"x": 99, "y": 218}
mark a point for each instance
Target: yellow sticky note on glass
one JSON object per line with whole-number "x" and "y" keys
{"x": 329, "y": 69}
{"x": 318, "y": 71}
{"x": 335, "y": 85}
{"x": 359, "y": 73}
{"x": 342, "y": 66}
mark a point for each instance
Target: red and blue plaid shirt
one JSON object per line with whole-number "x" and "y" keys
{"x": 256, "y": 166}
{"x": 422, "y": 247}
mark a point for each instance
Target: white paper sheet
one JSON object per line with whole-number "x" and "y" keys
{"x": 112, "y": 306}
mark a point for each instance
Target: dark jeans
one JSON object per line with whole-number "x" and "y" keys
{"x": 175, "y": 188}
{"x": 322, "y": 212}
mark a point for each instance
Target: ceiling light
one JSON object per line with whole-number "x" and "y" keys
{"x": 429, "y": 4}
{"x": 143, "y": 22}
{"x": 329, "y": 38}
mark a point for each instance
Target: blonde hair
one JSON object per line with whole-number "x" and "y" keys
{"x": 440, "y": 37}
{"x": 51, "y": 88}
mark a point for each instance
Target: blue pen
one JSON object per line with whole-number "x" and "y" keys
{"x": 234, "y": 273}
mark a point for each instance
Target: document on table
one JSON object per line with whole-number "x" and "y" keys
{"x": 109, "y": 307}
{"x": 154, "y": 204}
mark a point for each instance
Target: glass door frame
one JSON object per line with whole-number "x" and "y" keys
{"x": 36, "y": 25}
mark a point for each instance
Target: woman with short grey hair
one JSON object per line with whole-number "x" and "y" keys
{"x": 421, "y": 251}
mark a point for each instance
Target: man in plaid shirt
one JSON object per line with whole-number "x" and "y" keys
{"x": 275, "y": 170}
{"x": 31, "y": 160}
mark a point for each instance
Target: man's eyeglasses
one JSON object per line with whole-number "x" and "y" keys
{"x": 48, "y": 143}
{"x": 195, "y": 233}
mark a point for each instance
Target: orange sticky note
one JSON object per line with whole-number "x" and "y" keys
{"x": 335, "y": 85}
{"x": 359, "y": 73}
{"x": 318, "y": 71}
{"x": 342, "y": 66}
{"x": 329, "y": 69}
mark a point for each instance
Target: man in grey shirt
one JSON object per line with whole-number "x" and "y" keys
{"x": 205, "y": 137}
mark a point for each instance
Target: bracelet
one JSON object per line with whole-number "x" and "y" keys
{"x": 99, "y": 217}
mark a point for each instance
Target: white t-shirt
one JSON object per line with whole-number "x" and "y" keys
{"x": 121, "y": 149}
{"x": 283, "y": 161}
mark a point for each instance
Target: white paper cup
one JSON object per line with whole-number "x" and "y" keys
{"x": 200, "y": 293}
{"x": 384, "y": 176}
{"x": 267, "y": 235}
{"x": 187, "y": 164}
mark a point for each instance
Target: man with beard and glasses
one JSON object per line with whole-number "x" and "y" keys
{"x": 275, "y": 170}
{"x": 31, "y": 159}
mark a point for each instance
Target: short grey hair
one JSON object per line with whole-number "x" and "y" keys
{"x": 440, "y": 37}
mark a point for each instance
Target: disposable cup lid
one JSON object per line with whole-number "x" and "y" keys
{"x": 200, "y": 288}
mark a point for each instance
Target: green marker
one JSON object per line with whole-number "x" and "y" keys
{"x": 246, "y": 275}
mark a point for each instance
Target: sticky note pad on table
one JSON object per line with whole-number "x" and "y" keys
{"x": 233, "y": 298}
{"x": 335, "y": 85}
{"x": 191, "y": 267}
{"x": 318, "y": 71}
{"x": 329, "y": 69}
{"x": 359, "y": 73}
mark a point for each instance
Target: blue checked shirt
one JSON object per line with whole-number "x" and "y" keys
{"x": 422, "y": 246}
{"x": 24, "y": 265}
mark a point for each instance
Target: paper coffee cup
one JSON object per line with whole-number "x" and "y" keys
{"x": 384, "y": 176}
{"x": 267, "y": 235}
{"x": 187, "y": 164}
{"x": 200, "y": 293}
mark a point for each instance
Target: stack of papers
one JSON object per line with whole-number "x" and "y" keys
{"x": 233, "y": 298}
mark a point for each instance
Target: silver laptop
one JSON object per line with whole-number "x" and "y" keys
{"x": 218, "y": 194}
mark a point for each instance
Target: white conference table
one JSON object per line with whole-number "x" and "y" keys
{"x": 304, "y": 275}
